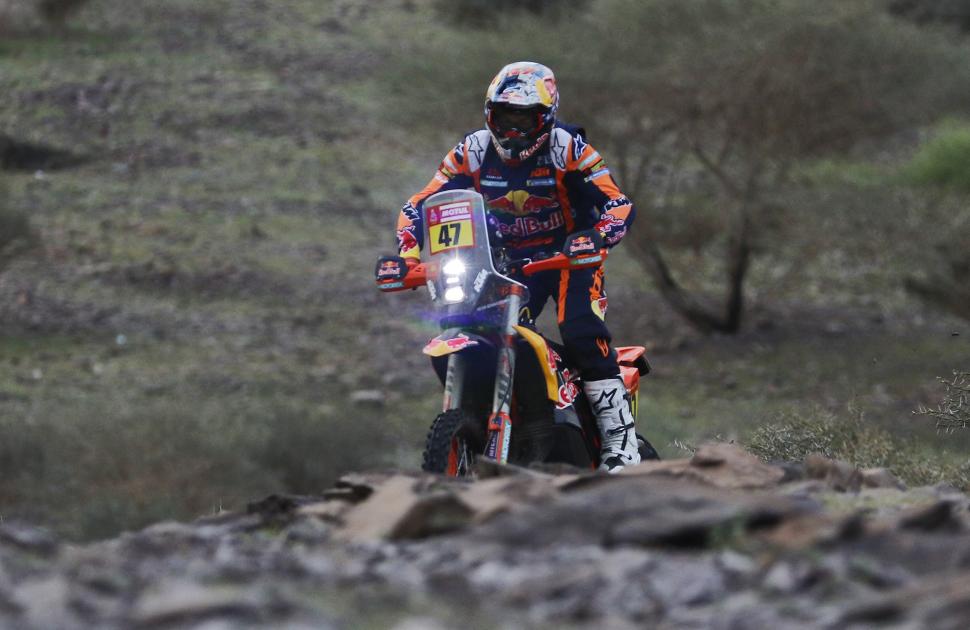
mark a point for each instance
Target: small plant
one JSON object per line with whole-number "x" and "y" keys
{"x": 944, "y": 161}
{"x": 954, "y": 411}
{"x": 793, "y": 436}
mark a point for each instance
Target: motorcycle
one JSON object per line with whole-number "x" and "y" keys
{"x": 509, "y": 393}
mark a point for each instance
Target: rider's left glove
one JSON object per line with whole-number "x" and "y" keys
{"x": 393, "y": 267}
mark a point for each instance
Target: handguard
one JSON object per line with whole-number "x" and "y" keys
{"x": 393, "y": 273}
{"x": 580, "y": 251}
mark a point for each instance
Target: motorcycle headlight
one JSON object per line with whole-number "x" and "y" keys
{"x": 454, "y": 294}
{"x": 454, "y": 267}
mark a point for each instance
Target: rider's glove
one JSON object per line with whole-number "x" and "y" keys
{"x": 392, "y": 267}
{"x": 611, "y": 229}
{"x": 582, "y": 243}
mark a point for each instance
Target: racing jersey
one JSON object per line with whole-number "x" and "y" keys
{"x": 533, "y": 204}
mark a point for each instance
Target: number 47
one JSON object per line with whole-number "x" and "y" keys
{"x": 448, "y": 236}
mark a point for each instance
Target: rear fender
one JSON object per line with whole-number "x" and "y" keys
{"x": 633, "y": 364}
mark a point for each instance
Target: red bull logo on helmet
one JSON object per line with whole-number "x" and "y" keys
{"x": 521, "y": 203}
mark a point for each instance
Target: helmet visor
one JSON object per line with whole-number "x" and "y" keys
{"x": 512, "y": 122}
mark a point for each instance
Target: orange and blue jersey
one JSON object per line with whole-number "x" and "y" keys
{"x": 533, "y": 203}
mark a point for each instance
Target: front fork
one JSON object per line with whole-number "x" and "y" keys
{"x": 500, "y": 421}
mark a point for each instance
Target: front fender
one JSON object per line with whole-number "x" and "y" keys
{"x": 451, "y": 341}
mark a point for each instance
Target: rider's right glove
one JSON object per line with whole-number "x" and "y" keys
{"x": 582, "y": 243}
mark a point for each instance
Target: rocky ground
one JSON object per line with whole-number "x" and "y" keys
{"x": 718, "y": 540}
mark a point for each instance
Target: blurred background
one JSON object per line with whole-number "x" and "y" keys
{"x": 193, "y": 194}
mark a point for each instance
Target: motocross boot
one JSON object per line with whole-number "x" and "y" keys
{"x": 609, "y": 401}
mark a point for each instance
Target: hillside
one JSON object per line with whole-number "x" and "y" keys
{"x": 209, "y": 184}
{"x": 716, "y": 541}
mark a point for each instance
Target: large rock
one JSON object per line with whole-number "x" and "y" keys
{"x": 404, "y": 507}
{"x": 719, "y": 464}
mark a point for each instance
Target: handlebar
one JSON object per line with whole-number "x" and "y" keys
{"x": 417, "y": 276}
{"x": 562, "y": 261}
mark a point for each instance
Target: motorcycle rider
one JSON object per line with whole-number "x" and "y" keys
{"x": 542, "y": 181}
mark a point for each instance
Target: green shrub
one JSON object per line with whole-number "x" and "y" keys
{"x": 793, "y": 436}
{"x": 944, "y": 160}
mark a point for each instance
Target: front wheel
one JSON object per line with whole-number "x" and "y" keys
{"x": 448, "y": 449}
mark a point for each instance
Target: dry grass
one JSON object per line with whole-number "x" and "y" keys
{"x": 793, "y": 436}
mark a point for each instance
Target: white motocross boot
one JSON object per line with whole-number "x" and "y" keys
{"x": 608, "y": 399}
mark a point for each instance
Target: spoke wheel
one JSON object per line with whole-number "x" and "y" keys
{"x": 448, "y": 449}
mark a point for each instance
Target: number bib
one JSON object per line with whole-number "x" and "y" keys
{"x": 450, "y": 227}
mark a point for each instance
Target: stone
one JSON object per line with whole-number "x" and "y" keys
{"x": 493, "y": 496}
{"x": 840, "y": 476}
{"x": 721, "y": 465}
{"x": 815, "y": 529}
{"x": 367, "y": 398}
{"x": 880, "y": 478}
{"x": 27, "y": 538}
{"x": 397, "y": 511}
{"x": 44, "y": 602}
{"x": 181, "y": 603}
{"x": 938, "y": 516}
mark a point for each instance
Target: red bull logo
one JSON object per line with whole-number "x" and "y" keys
{"x": 521, "y": 203}
{"x": 438, "y": 347}
{"x": 459, "y": 342}
{"x": 581, "y": 244}
{"x": 389, "y": 269}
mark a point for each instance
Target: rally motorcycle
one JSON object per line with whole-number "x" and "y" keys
{"x": 510, "y": 394}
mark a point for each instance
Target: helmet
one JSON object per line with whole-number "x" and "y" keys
{"x": 520, "y": 108}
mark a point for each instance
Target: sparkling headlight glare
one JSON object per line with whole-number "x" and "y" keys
{"x": 454, "y": 267}
{"x": 454, "y": 294}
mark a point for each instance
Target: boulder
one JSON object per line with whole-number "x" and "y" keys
{"x": 398, "y": 509}
{"x": 880, "y": 478}
{"x": 721, "y": 465}
{"x": 840, "y": 476}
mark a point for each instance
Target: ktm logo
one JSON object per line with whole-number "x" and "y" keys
{"x": 521, "y": 203}
{"x": 540, "y": 172}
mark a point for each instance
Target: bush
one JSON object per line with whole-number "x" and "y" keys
{"x": 944, "y": 160}
{"x": 954, "y": 411}
{"x": 793, "y": 436}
